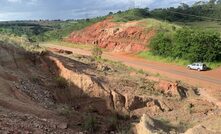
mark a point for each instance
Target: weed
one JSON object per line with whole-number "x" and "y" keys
{"x": 97, "y": 52}
{"x": 36, "y": 80}
{"x": 124, "y": 129}
{"x": 90, "y": 123}
{"x": 157, "y": 75}
{"x": 141, "y": 71}
{"x": 113, "y": 122}
{"x": 183, "y": 126}
{"x": 61, "y": 82}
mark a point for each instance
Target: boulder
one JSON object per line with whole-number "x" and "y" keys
{"x": 157, "y": 106}
{"x": 168, "y": 88}
{"x": 135, "y": 102}
{"x": 145, "y": 126}
{"x": 63, "y": 125}
{"x": 118, "y": 100}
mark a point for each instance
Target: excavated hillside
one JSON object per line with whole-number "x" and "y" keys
{"x": 119, "y": 37}
{"x": 45, "y": 92}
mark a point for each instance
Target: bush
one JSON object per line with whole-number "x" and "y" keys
{"x": 61, "y": 82}
{"x": 97, "y": 52}
{"x": 113, "y": 123}
{"x": 90, "y": 123}
{"x": 161, "y": 45}
{"x": 188, "y": 44}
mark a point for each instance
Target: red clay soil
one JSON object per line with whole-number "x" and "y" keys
{"x": 118, "y": 37}
{"x": 208, "y": 79}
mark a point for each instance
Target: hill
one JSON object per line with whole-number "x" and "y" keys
{"x": 133, "y": 36}
{"x": 44, "y": 30}
{"x": 198, "y": 15}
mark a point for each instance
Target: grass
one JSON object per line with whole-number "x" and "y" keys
{"x": 61, "y": 82}
{"x": 150, "y": 56}
{"x": 120, "y": 66}
{"x": 21, "y": 42}
{"x": 211, "y": 25}
{"x": 69, "y": 44}
{"x": 159, "y": 25}
{"x": 90, "y": 123}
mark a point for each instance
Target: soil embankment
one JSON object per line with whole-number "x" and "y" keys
{"x": 61, "y": 92}
{"x": 117, "y": 37}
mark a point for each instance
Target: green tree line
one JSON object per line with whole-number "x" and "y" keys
{"x": 199, "y": 11}
{"x": 189, "y": 44}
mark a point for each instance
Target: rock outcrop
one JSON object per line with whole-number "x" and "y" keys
{"x": 146, "y": 126}
{"x": 169, "y": 88}
{"x": 91, "y": 87}
{"x": 135, "y": 102}
{"x": 211, "y": 126}
{"x": 118, "y": 37}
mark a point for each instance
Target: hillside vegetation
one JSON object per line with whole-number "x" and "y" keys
{"x": 200, "y": 14}
{"x": 188, "y": 44}
{"x": 45, "y": 30}
{"x": 199, "y": 11}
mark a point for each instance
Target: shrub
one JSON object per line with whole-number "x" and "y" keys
{"x": 97, "y": 52}
{"x": 113, "y": 122}
{"x": 90, "y": 123}
{"x": 61, "y": 82}
{"x": 161, "y": 44}
{"x": 188, "y": 44}
{"x": 141, "y": 71}
{"x": 36, "y": 80}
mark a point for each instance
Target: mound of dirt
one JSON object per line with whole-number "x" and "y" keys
{"x": 118, "y": 37}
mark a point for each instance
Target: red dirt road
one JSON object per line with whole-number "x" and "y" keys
{"x": 207, "y": 79}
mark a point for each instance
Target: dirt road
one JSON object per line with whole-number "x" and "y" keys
{"x": 207, "y": 79}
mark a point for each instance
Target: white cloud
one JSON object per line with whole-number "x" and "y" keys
{"x": 14, "y": 0}
{"x": 71, "y": 9}
{"x": 23, "y": 1}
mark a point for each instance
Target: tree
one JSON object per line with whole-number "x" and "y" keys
{"x": 184, "y": 6}
{"x": 190, "y": 44}
{"x": 213, "y": 2}
{"x": 110, "y": 13}
{"x": 218, "y": 2}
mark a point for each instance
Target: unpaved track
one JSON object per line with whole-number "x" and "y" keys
{"x": 207, "y": 79}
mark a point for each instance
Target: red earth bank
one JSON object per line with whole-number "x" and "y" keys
{"x": 117, "y": 37}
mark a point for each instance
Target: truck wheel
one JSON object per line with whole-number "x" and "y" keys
{"x": 198, "y": 70}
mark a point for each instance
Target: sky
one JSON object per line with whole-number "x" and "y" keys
{"x": 73, "y": 9}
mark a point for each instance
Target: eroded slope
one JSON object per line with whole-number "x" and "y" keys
{"x": 118, "y": 37}
{"x": 51, "y": 92}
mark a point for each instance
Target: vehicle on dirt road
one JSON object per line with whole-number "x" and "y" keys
{"x": 198, "y": 66}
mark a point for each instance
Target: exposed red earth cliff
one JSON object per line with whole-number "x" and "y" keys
{"x": 117, "y": 37}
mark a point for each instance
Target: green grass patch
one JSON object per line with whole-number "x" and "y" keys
{"x": 159, "y": 25}
{"x": 210, "y": 25}
{"x": 61, "y": 82}
{"x": 150, "y": 56}
{"x": 130, "y": 15}
{"x": 69, "y": 44}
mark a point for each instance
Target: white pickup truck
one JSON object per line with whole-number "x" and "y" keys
{"x": 198, "y": 66}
